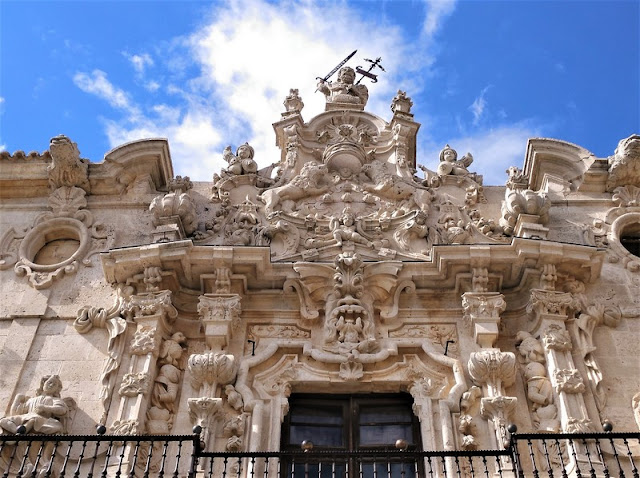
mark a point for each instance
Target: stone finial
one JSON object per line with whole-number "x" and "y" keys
{"x": 293, "y": 103}
{"x": 67, "y": 168}
{"x": 401, "y": 103}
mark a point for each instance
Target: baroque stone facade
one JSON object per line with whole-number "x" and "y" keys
{"x": 153, "y": 304}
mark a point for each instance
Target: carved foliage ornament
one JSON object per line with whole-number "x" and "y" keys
{"x": 519, "y": 201}
{"x": 493, "y": 368}
{"x": 178, "y": 203}
{"x": 623, "y": 165}
{"x": 211, "y": 368}
{"x": 569, "y": 381}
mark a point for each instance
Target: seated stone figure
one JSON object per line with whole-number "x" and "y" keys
{"x": 343, "y": 90}
{"x": 43, "y": 414}
{"x": 449, "y": 163}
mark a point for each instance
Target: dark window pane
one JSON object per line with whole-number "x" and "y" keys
{"x": 306, "y": 414}
{"x": 320, "y": 436}
{"x": 321, "y": 470}
{"x": 381, "y": 414}
{"x": 384, "y": 434}
{"x": 390, "y": 470}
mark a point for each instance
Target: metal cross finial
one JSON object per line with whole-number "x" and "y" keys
{"x": 373, "y": 77}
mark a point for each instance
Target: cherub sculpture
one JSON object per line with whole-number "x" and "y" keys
{"x": 45, "y": 414}
{"x": 242, "y": 162}
{"x": 449, "y": 163}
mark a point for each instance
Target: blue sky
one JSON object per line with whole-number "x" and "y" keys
{"x": 483, "y": 75}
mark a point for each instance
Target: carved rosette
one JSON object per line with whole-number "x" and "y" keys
{"x": 211, "y": 368}
{"x": 220, "y": 315}
{"x": 568, "y": 381}
{"x": 493, "y": 368}
{"x": 483, "y": 310}
{"x": 125, "y": 427}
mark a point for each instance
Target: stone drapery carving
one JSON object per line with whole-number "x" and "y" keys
{"x": 635, "y": 405}
{"x": 343, "y": 92}
{"x": 110, "y": 319}
{"x": 623, "y": 165}
{"x": 524, "y": 205}
{"x": 46, "y": 413}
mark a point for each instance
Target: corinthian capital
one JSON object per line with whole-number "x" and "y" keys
{"x": 220, "y": 314}
{"x": 150, "y": 304}
{"x": 483, "y": 309}
{"x": 550, "y": 302}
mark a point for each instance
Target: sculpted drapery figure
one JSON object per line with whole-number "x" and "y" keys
{"x": 343, "y": 89}
{"x": 242, "y": 162}
{"x": 44, "y": 414}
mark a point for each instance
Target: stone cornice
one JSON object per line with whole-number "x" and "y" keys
{"x": 194, "y": 267}
{"x": 121, "y": 166}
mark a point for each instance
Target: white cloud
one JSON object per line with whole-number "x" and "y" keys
{"x": 97, "y": 84}
{"x": 139, "y": 62}
{"x": 437, "y": 12}
{"x": 249, "y": 53}
{"x": 1, "y": 100}
{"x": 479, "y": 104}
{"x": 494, "y": 150}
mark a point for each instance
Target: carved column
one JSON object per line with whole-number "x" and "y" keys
{"x": 220, "y": 314}
{"x": 494, "y": 370}
{"x": 153, "y": 314}
{"x": 550, "y": 309}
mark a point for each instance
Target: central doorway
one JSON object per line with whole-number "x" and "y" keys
{"x": 352, "y": 423}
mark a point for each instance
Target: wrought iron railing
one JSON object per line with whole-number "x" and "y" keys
{"x": 104, "y": 456}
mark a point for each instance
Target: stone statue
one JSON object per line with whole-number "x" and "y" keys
{"x": 540, "y": 393}
{"x": 242, "y": 162}
{"x": 343, "y": 90}
{"x": 344, "y": 229}
{"x": 46, "y": 413}
{"x": 449, "y": 163}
